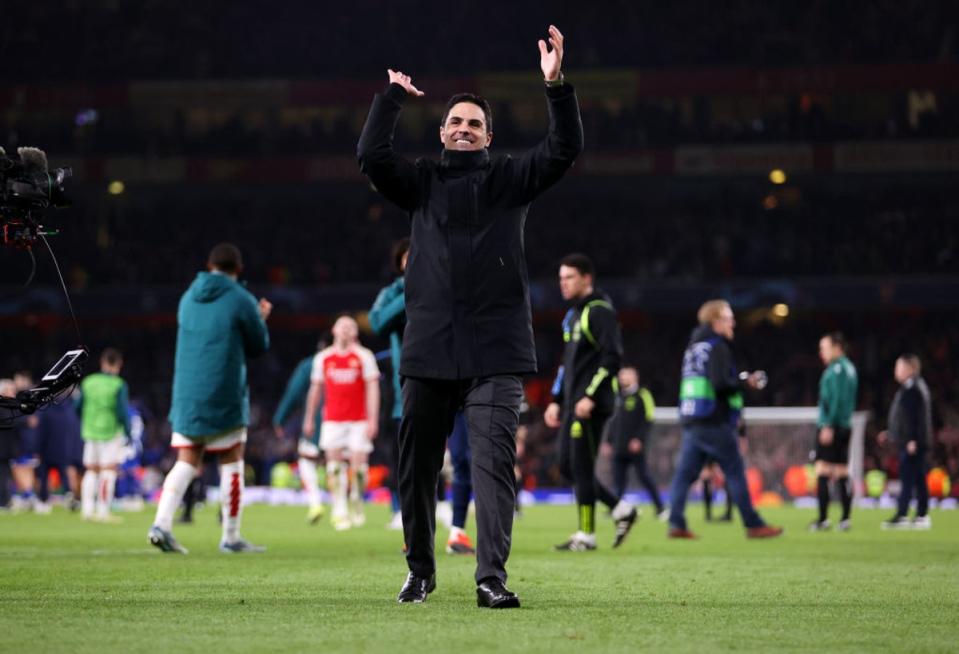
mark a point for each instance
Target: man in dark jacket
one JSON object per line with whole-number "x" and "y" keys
{"x": 627, "y": 436}
{"x": 910, "y": 427}
{"x": 710, "y": 402}
{"x": 584, "y": 398}
{"x": 219, "y": 325}
{"x": 469, "y": 334}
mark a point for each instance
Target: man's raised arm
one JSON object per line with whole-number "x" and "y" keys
{"x": 543, "y": 165}
{"x": 392, "y": 175}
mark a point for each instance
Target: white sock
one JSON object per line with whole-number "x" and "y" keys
{"x": 621, "y": 510}
{"x": 336, "y": 477}
{"x": 308, "y": 476}
{"x": 455, "y": 532}
{"x": 358, "y": 477}
{"x": 174, "y": 486}
{"x": 88, "y": 493}
{"x": 107, "y": 488}
{"x": 231, "y": 499}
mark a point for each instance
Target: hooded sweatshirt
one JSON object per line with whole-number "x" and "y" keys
{"x": 218, "y": 327}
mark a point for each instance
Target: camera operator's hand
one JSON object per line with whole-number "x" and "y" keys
{"x": 396, "y": 77}
{"x": 265, "y": 308}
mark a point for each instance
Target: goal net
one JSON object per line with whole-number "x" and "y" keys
{"x": 780, "y": 444}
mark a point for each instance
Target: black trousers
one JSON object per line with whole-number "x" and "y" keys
{"x": 491, "y": 407}
{"x": 912, "y": 475}
{"x": 6, "y": 478}
{"x": 578, "y": 446}
{"x": 622, "y": 463}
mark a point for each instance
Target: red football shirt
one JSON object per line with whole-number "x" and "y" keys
{"x": 344, "y": 376}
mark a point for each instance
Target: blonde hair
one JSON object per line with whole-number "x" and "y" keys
{"x": 711, "y": 311}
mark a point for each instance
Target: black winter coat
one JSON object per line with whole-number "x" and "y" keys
{"x": 467, "y": 290}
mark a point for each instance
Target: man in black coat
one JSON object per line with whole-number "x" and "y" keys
{"x": 910, "y": 427}
{"x": 469, "y": 334}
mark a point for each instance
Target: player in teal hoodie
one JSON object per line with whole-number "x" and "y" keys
{"x": 219, "y": 325}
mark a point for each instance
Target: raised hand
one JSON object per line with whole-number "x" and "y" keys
{"x": 551, "y": 60}
{"x": 396, "y": 77}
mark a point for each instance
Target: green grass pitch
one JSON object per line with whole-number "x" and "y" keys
{"x": 67, "y": 586}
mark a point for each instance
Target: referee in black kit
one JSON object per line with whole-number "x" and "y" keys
{"x": 469, "y": 334}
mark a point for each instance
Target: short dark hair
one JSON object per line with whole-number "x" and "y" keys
{"x": 400, "y": 248}
{"x": 111, "y": 356}
{"x": 473, "y": 99}
{"x": 580, "y": 262}
{"x": 226, "y": 257}
{"x": 837, "y": 339}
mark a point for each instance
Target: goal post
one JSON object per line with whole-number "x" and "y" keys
{"x": 779, "y": 440}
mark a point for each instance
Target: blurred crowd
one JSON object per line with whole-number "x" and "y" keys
{"x": 641, "y": 231}
{"x": 616, "y": 124}
{"x": 69, "y": 39}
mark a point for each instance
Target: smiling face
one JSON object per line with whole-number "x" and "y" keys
{"x": 465, "y": 128}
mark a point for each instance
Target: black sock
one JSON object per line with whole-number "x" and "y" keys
{"x": 845, "y": 496}
{"x": 729, "y": 506}
{"x": 708, "y": 498}
{"x": 190, "y": 498}
{"x": 823, "y": 487}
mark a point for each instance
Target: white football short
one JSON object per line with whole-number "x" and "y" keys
{"x": 104, "y": 453}
{"x": 345, "y": 436}
{"x": 213, "y": 443}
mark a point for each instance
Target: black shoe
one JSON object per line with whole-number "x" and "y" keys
{"x": 493, "y": 594}
{"x": 185, "y": 519}
{"x": 416, "y": 589}
{"x": 623, "y": 525}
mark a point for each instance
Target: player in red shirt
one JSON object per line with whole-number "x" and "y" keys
{"x": 346, "y": 378}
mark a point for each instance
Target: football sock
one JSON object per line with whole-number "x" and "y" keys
{"x": 310, "y": 479}
{"x": 823, "y": 492}
{"x": 88, "y": 493}
{"x": 107, "y": 488}
{"x": 336, "y": 478}
{"x": 179, "y": 477}
{"x": 231, "y": 499}
{"x": 845, "y": 496}
{"x": 708, "y": 498}
{"x": 358, "y": 476}
{"x": 190, "y": 498}
{"x": 587, "y": 518}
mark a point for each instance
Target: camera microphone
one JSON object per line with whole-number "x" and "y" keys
{"x": 34, "y": 160}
